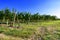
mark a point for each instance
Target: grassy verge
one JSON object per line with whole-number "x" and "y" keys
{"x": 29, "y": 29}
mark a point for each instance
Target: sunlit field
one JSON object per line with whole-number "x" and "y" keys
{"x": 47, "y": 30}
{"x": 29, "y": 19}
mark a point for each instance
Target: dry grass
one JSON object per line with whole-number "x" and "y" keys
{"x": 33, "y": 30}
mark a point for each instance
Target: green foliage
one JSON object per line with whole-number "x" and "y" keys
{"x": 23, "y": 16}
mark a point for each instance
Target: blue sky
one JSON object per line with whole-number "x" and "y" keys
{"x": 49, "y": 7}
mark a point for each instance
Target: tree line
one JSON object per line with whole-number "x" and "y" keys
{"x": 14, "y": 16}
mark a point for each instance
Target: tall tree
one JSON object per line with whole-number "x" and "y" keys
{"x": 27, "y": 17}
{"x": 7, "y": 15}
{"x": 14, "y": 15}
{"x": 21, "y": 16}
{"x": 1, "y": 15}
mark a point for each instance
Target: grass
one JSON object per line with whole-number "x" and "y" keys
{"x": 29, "y": 29}
{"x": 18, "y": 33}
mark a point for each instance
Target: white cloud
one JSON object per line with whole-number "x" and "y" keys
{"x": 55, "y": 12}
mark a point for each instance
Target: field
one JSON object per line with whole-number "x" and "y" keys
{"x": 44, "y": 30}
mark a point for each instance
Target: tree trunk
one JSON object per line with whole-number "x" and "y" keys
{"x": 7, "y": 22}
{"x": 14, "y": 19}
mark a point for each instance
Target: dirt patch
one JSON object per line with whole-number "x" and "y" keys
{"x": 5, "y": 37}
{"x": 4, "y": 25}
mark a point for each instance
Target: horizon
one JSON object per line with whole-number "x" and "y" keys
{"x": 48, "y": 7}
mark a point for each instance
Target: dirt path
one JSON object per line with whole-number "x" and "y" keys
{"x": 5, "y": 37}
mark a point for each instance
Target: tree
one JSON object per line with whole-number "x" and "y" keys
{"x": 14, "y": 16}
{"x": 36, "y": 17}
{"x": 27, "y": 17}
{"x": 1, "y": 15}
{"x": 21, "y": 17}
{"x": 7, "y": 15}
